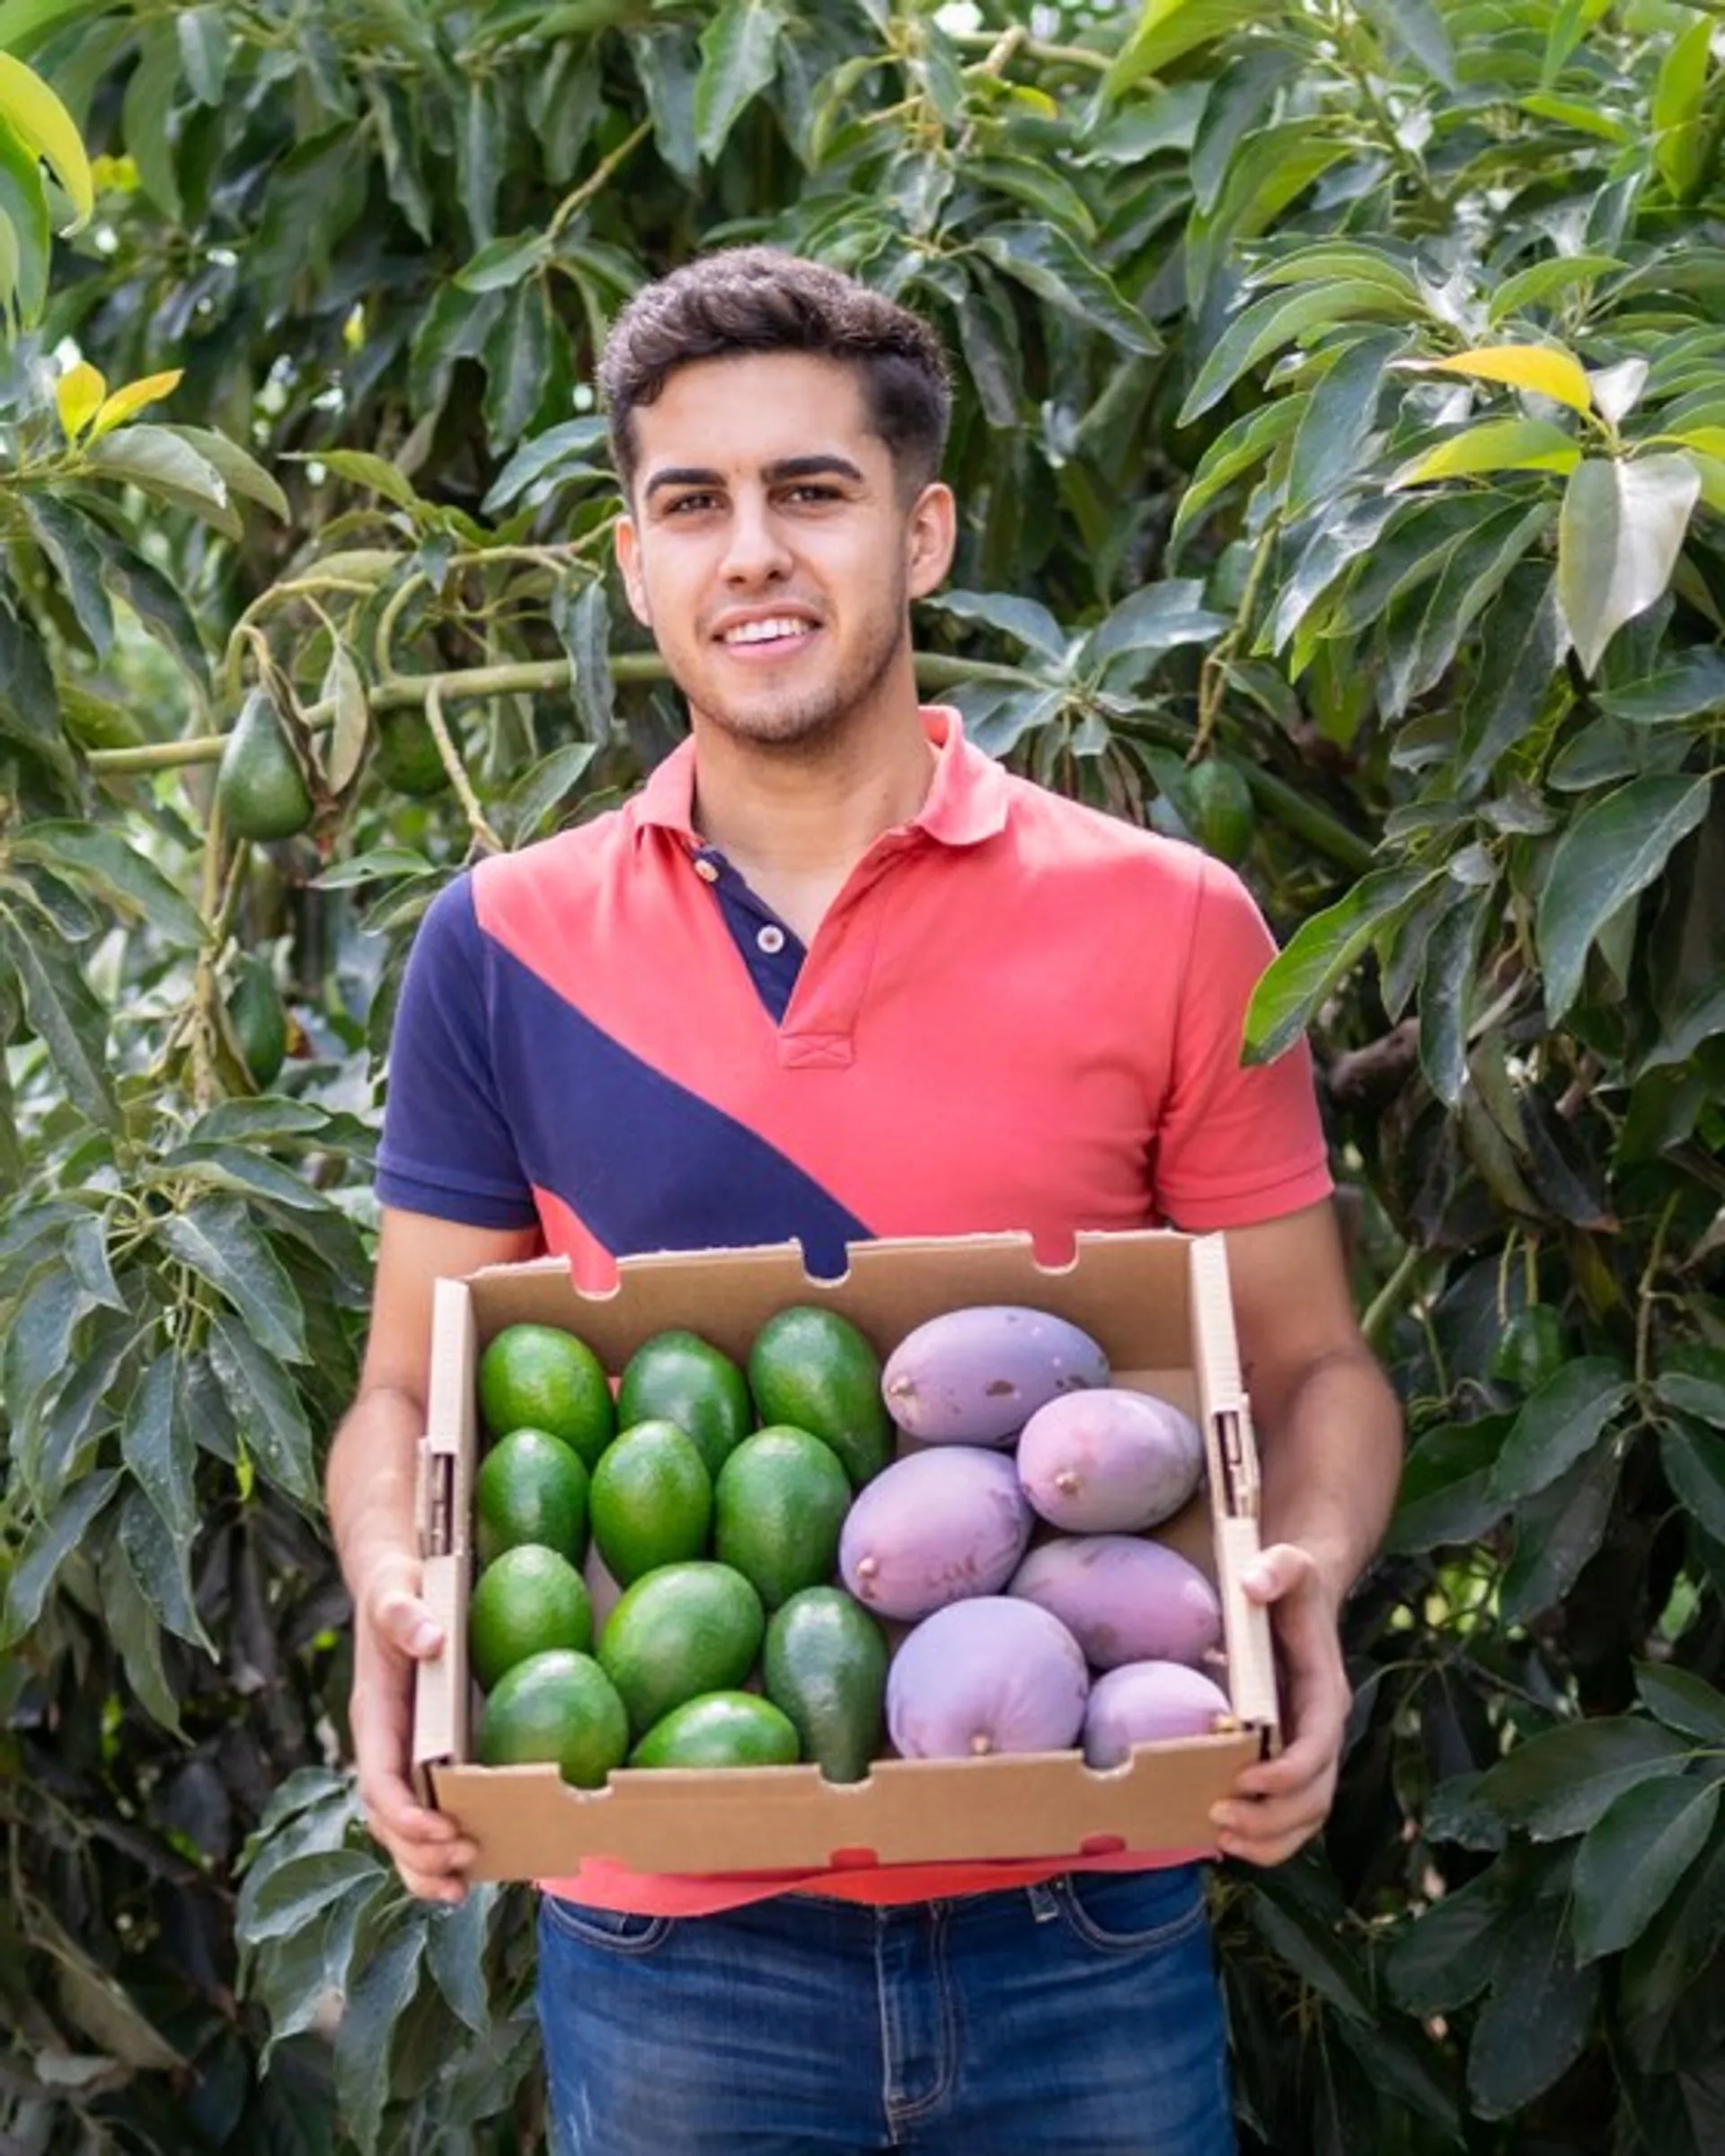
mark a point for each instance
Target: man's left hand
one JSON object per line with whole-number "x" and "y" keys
{"x": 1277, "y": 1804}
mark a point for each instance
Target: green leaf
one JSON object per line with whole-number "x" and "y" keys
{"x": 1153, "y": 619}
{"x": 1237, "y": 102}
{"x": 503, "y": 264}
{"x": 1418, "y": 28}
{"x": 1446, "y": 1496}
{"x": 136, "y": 1628}
{"x": 1321, "y": 951}
{"x": 1562, "y": 1782}
{"x": 482, "y": 154}
{"x": 1557, "y": 1531}
{"x": 146, "y": 116}
{"x": 48, "y": 1547}
{"x": 1026, "y": 620}
{"x": 1492, "y": 445}
{"x": 1446, "y": 1955}
{"x": 65, "y": 1017}
{"x": 1337, "y": 543}
{"x": 362, "y": 469}
{"x": 351, "y": 732}
{"x": 292, "y": 1896}
{"x": 399, "y": 140}
{"x": 240, "y": 472}
{"x": 1309, "y": 1946}
{"x": 1542, "y": 281}
{"x": 1052, "y": 265}
{"x": 1682, "y": 1701}
{"x": 216, "y": 1238}
{"x": 1475, "y": 571}
{"x": 668, "y": 64}
{"x": 1281, "y": 318}
{"x": 546, "y": 785}
{"x": 65, "y": 537}
{"x": 1537, "y": 2020}
{"x": 1694, "y": 1459}
{"x": 39, "y": 1350}
{"x": 28, "y": 708}
{"x": 455, "y": 1952}
{"x": 563, "y": 452}
{"x": 232, "y": 1168}
{"x": 581, "y": 616}
{"x": 24, "y": 215}
{"x": 1246, "y": 442}
{"x": 102, "y": 860}
{"x": 517, "y": 357}
{"x": 1613, "y": 850}
{"x": 1169, "y": 29}
{"x": 266, "y": 1407}
{"x": 204, "y": 50}
{"x": 1559, "y": 1423}
{"x": 1618, "y": 539}
{"x": 1337, "y": 420}
{"x": 375, "y": 2002}
{"x": 1682, "y": 1939}
{"x": 740, "y": 53}
{"x": 1521, "y": 642}
{"x": 1682, "y": 145}
{"x": 161, "y": 1565}
{"x": 1632, "y": 1860}
{"x": 156, "y": 603}
{"x": 1688, "y": 684}
{"x": 1039, "y": 187}
{"x": 160, "y": 1448}
{"x": 1445, "y": 995}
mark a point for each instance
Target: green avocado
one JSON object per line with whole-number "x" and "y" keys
{"x": 720, "y": 1729}
{"x": 825, "y": 1664}
{"x": 259, "y": 785}
{"x": 813, "y": 1369}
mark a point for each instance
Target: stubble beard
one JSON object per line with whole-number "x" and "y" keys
{"x": 812, "y": 720}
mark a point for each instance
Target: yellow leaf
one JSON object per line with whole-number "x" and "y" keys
{"x": 79, "y": 395}
{"x": 45, "y": 128}
{"x": 133, "y": 398}
{"x": 1710, "y": 440}
{"x": 1543, "y": 367}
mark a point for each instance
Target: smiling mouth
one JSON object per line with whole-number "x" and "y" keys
{"x": 776, "y": 632}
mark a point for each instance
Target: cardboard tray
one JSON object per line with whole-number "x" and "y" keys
{"x": 1158, "y": 1303}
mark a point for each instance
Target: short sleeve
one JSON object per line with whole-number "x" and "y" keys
{"x": 447, "y": 1148}
{"x": 1236, "y": 1144}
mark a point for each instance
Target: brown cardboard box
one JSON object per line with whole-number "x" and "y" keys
{"x": 1159, "y": 1304}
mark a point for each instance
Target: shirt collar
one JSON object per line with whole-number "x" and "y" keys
{"x": 965, "y": 804}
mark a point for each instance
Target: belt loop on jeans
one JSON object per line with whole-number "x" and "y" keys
{"x": 1045, "y": 1903}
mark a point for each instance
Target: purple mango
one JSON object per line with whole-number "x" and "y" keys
{"x": 932, "y": 1528}
{"x": 987, "y": 1675}
{"x": 977, "y": 1376}
{"x": 1124, "y": 1598}
{"x": 1109, "y": 1460}
{"x": 1149, "y": 1702}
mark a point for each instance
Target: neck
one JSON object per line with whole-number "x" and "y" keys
{"x": 809, "y": 809}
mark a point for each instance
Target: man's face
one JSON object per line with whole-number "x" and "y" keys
{"x": 770, "y": 548}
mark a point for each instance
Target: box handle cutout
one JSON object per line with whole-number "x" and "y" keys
{"x": 1239, "y": 1471}
{"x": 436, "y": 1500}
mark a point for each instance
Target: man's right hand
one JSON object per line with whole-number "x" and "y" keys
{"x": 392, "y": 1631}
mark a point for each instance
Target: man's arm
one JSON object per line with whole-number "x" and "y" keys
{"x": 370, "y": 1486}
{"x": 1330, "y": 1430}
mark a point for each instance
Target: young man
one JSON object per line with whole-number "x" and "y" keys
{"x": 833, "y": 973}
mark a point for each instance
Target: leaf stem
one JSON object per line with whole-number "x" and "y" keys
{"x": 574, "y": 203}
{"x": 457, "y": 771}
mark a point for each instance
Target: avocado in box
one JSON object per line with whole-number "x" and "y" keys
{"x": 1155, "y": 1303}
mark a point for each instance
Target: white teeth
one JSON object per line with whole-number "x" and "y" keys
{"x": 765, "y": 633}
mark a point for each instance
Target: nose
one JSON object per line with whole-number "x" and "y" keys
{"x": 755, "y": 549}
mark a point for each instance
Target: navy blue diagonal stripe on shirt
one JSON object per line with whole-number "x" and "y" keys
{"x": 649, "y": 1165}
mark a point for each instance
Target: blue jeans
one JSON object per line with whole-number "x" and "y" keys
{"x": 1081, "y": 2016}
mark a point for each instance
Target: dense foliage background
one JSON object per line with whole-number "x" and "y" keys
{"x": 1341, "y": 448}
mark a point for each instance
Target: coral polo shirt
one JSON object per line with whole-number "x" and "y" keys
{"x": 1018, "y": 1015}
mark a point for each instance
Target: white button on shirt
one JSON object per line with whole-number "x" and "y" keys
{"x": 707, "y": 870}
{"x": 771, "y": 940}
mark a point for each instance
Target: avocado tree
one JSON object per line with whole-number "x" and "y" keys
{"x": 1340, "y": 442}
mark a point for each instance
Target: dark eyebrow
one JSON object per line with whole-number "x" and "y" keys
{"x": 684, "y": 475}
{"x": 823, "y": 463}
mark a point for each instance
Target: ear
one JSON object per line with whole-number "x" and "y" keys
{"x": 628, "y": 545}
{"x": 931, "y": 534}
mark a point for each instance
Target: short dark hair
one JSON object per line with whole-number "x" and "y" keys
{"x": 763, "y": 299}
